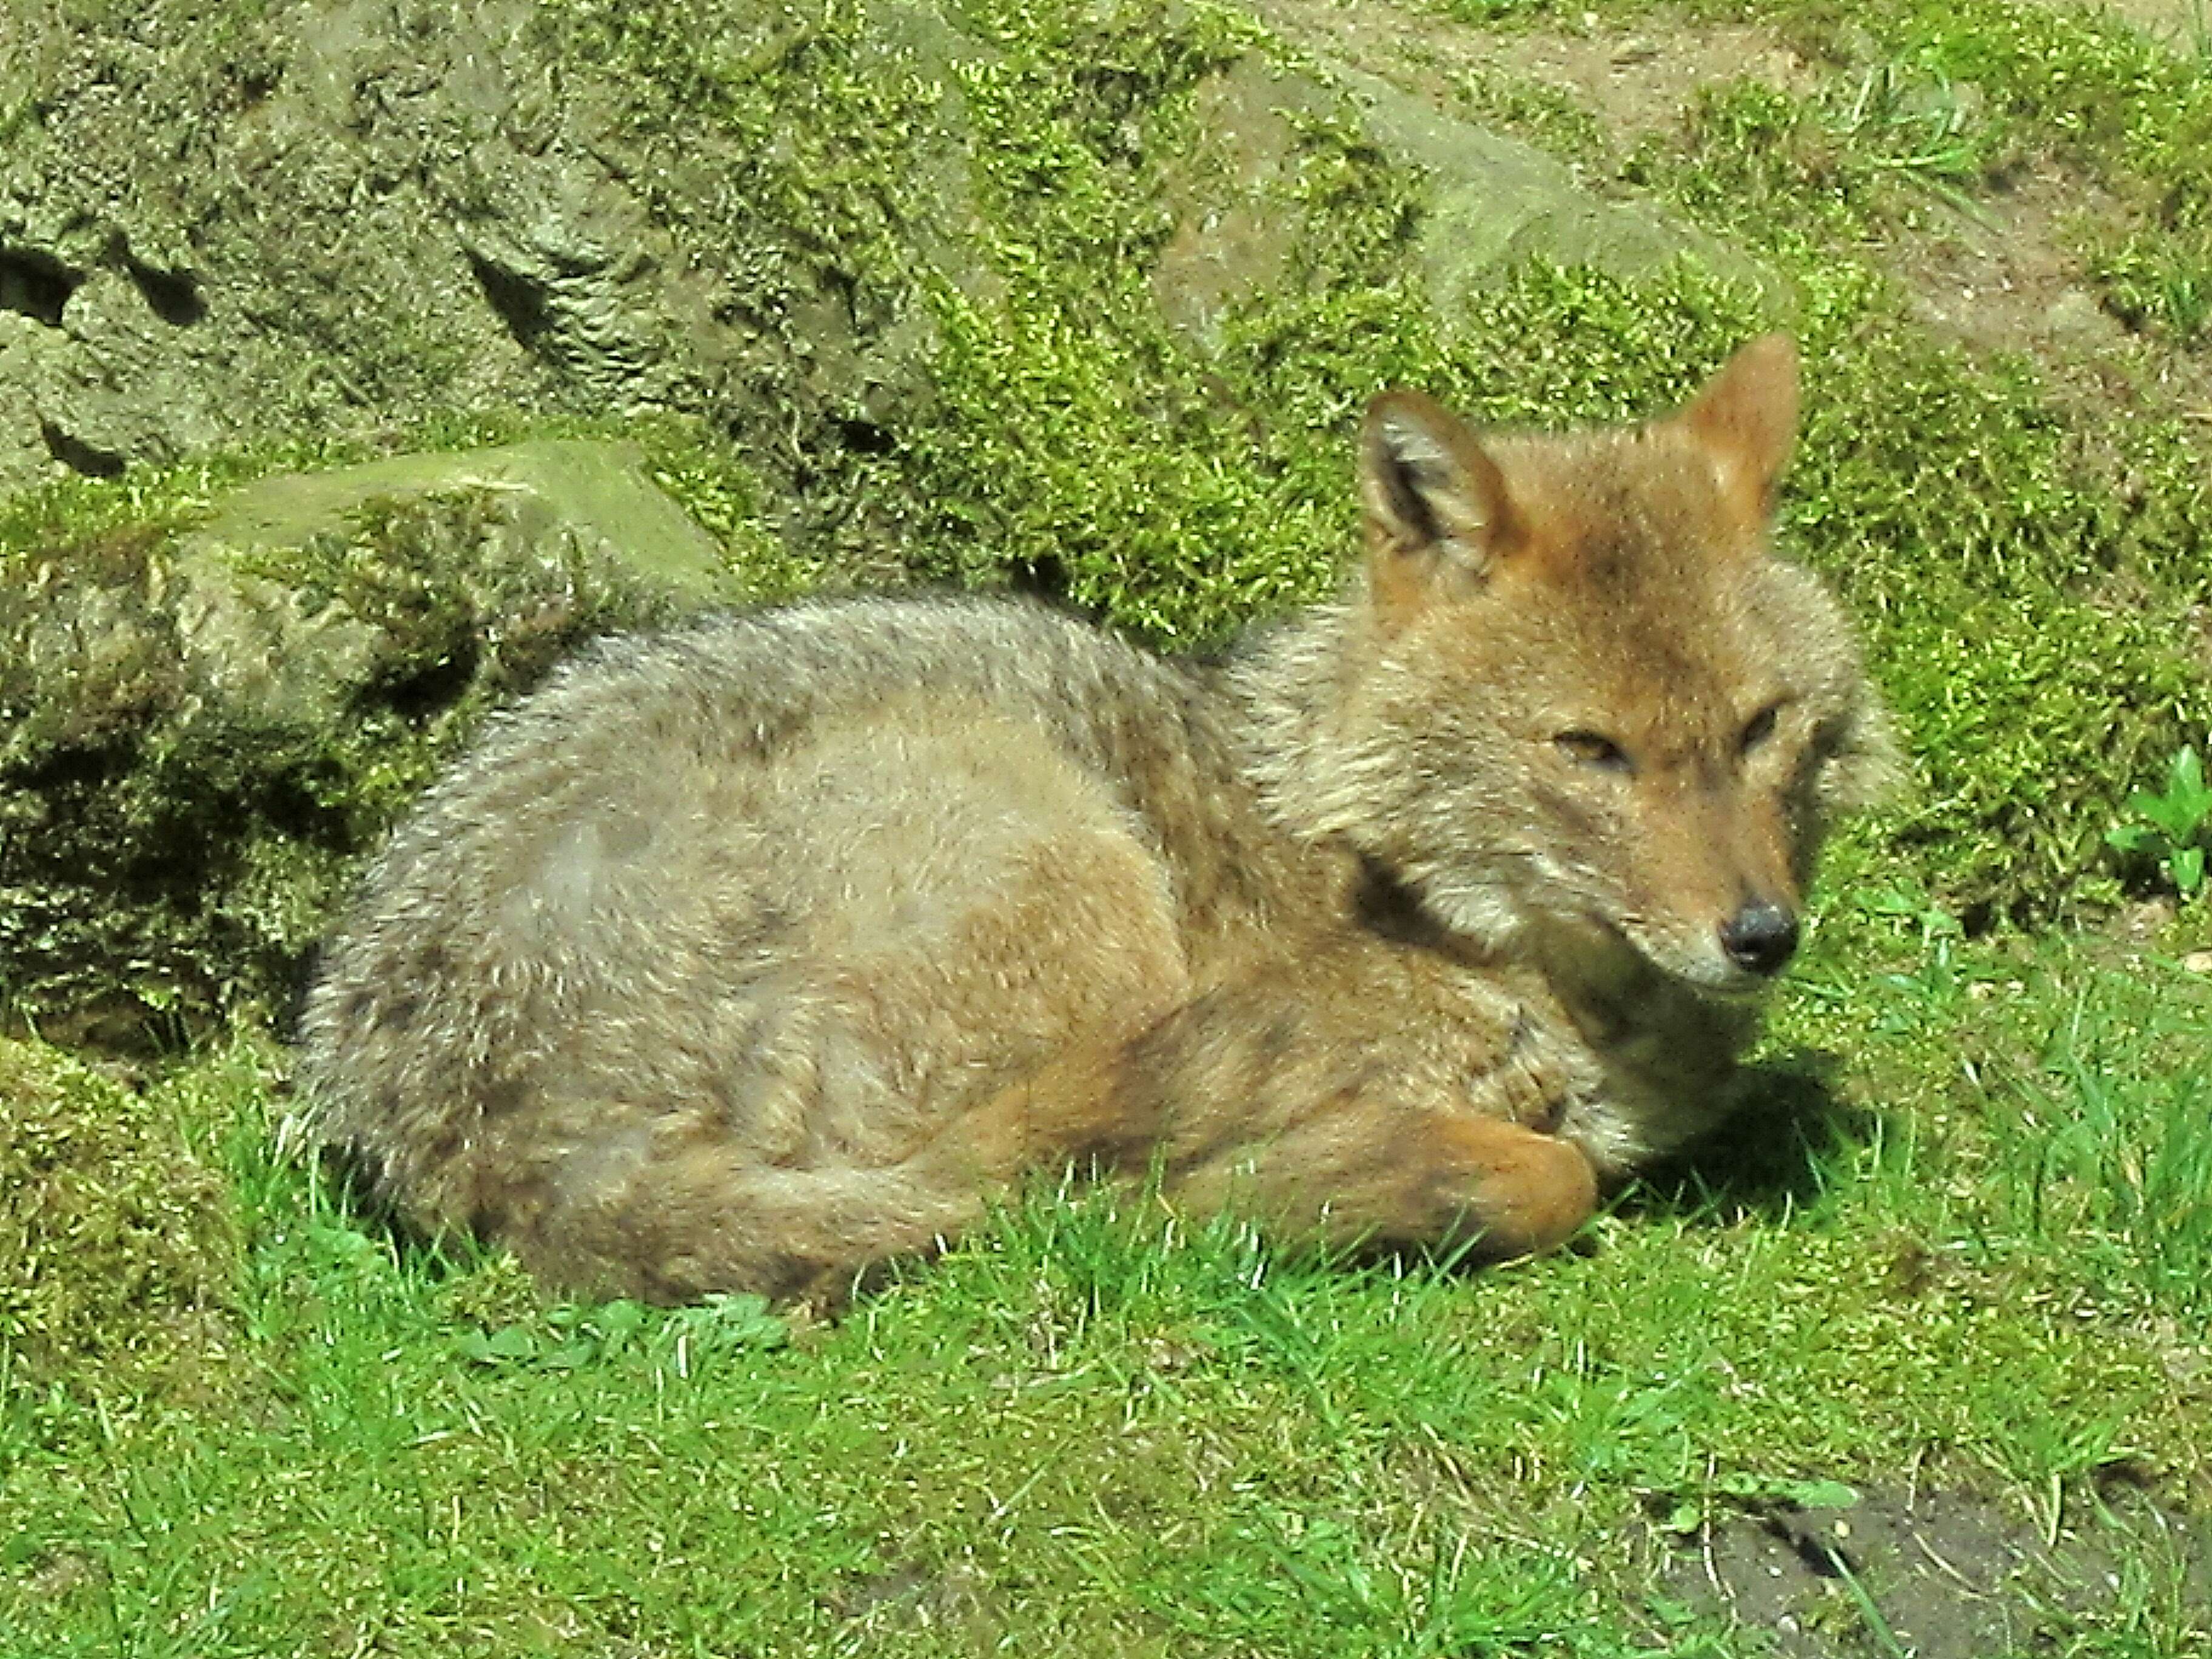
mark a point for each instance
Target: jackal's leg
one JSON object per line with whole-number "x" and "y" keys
{"x": 1349, "y": 1098}
{"x": 1375, "y": 1171}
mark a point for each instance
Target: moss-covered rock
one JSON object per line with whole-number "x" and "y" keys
{"x": 198, "y": 734}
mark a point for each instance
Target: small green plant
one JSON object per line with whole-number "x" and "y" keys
{"x": 2160, "y": 281}
{"x": 569, "y": 1337}
{"x": 2172, "y": 826}
{"x": 1685, "y": 1513}
{"x": 1916, "y": 127}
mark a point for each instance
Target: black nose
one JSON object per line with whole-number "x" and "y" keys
{"x": 1761, "y": 937}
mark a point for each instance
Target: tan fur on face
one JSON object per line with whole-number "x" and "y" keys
{"x": 750, "y": 956}
{"x": 1613, "y": 584}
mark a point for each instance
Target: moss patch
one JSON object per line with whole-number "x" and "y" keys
{"x": 119, "y": 1243}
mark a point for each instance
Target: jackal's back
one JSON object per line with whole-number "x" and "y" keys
{"x": 789, "y": 886}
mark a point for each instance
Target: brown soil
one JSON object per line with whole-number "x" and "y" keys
{"x": 1941, "y": 1575}
{"x": 1639, "y": 82}
{"x": 2004, "y": 275}
{"x": 2184, "y": 25}
{"x": 2008, "y": 277}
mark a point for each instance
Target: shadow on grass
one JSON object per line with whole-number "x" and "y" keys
{"x": 1791, "y": 1140}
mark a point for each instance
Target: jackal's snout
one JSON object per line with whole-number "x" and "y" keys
{"x": 1761, "y": 937}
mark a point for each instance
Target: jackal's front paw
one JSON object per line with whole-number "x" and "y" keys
{"x": 1535, "y": 1082}
{"x": 1520, "y": 1191}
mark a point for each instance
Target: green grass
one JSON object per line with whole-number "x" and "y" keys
{"x": 2159, "y": 283}
{"x": 1094, "y": 1429}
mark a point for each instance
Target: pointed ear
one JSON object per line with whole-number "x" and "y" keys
{"x": 1745, "y": 419}
{"x": 1436, "y": 507}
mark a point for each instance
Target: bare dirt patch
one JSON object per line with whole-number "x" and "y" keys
{"x": 2009, "y": 276}
{"x": 1941, "y": 1575}
{"x": 2002, "y": 273}
{"x": 1639, "y": 82}
{"x": 1632, "y": 83}
{"x": 2184, "y": 25}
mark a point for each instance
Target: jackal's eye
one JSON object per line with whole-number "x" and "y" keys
{"x": 1759, "y": 728}
{"x": 1593, "y": 749}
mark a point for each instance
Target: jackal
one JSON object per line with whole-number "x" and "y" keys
{"x": 750, "y": 956}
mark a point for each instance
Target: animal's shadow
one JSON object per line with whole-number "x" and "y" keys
{"x": 1778, "y": 1154}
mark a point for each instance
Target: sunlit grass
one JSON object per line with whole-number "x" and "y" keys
{"x": 1961, "y": 1240}
{"x": 1962, "y": 1251}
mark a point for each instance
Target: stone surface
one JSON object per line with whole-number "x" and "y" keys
{"x": 350, "y": 215}
{"x": 588, "y": 498}
{"x": 1496, "y": 201}
{"x": 197, "y": 735}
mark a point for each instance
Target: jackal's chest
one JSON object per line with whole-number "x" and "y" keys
{"x": 1668, "y": 1061}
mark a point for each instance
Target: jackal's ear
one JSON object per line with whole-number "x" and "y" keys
{"x": 1438, "y": 510}
{"x": 1746, "y": 420}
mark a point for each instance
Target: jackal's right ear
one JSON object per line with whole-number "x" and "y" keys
{"x": 1745, "y": 419}
{"x": 1437, "y": 511}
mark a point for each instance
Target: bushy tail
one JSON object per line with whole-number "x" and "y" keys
{"x": 686, "y": 1222}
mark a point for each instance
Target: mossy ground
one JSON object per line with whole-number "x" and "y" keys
{"x": 1964, "y": 1245}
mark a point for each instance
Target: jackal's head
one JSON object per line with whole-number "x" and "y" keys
{"x": 1574, "y": 690}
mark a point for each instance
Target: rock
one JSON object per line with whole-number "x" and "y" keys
{"x": 351, "y": 216}
{"x": 586, "y": 498}
{"x": 1232, "y": 240}
{"x": 197, "y": 735}
{"x": 1495, "y": 202}
{"x": 348, "y": 217}
{"x": 1491, "y": 202}
{"x": 117, "y": 381}
{"x": 228, "y": 236}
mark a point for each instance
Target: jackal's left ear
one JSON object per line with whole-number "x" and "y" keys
{"x": 1438, "y": 510}
{"x": 1746, "y": 420}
